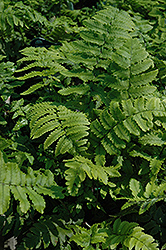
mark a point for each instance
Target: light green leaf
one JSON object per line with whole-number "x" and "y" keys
{"x": 135, "y": 187}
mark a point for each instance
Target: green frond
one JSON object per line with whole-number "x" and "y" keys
{"x": 135, "y": 187}
{"x": 107, "y": 43}
{"x": 132, "y": 126}
{"x": 141, "y": 91}
{"x": 26, "y": 188}
{"x": 33, "y": 88}
{"x": 116, "y": 125}
{"x": 141, "y": 66}
{"x": 143, "y": 155}
{"x": 96, "y": 25}
{"x": 81, "y": 90}
{"x": 83, "y": 47}
{"x": 155, "y": 166}
{"x": 92, "y": 37}
{"x": 153, "y": 193}
{"x": 44, "y": 231}
{"x": 160, "y": 190}
{"x": 140, "y": 240}
{"x": 64, "y": 145}
{"x": 129, "y": 235}
{"x": 134, "y": 69}
{"x": 64, "y": 127}
{"x": 144, "y": 78}
{"x": 97, "y": 128}
{"x": 153, "y": 139}
{"x": 85, "y": 75}
{"x": 85, "y": 238}
{"x": 79, "y": 167}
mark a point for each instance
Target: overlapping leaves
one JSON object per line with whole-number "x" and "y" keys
{"x": 120, "y": 121}
{"x": 25, "y": 187}
{"x": 66, "y": 128}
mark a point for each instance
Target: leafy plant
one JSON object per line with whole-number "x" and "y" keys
{"x": 83, "y": 138}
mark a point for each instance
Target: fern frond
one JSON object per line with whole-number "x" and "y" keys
{"x": 25, "y": 187}
{"x": 107, "y": 53}
{"x": 134, "y": 69}
{"x": 129, "y": 235}
{"x": 79, "y": 167}
{"x": 116, "y": 125}
{"x": 85, "y": 238}
{"x": 45, "y": 231}
{"x": 154, "y": 138}
{"x": 81, "y": 90}
{"x": 145, "y": 199}
{"x": 140, "y": 240}
{"x": 66, "y": 127}
{"x": 155, "y": 164}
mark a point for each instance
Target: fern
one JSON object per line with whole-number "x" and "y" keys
{"x": 132, "y": 75}
{"x": 48, "y": 231}
{"x": 40, "y": 58}
{"x": 66, "y": 127}
{"x": 25, "y": 187}
{"x": 88, "y": 52}
{"x": 132, "y": 72}
{"x": 108, "y": 54}
{"x": 80, "y": 167}
{"x": 116, "y": 123}
{"x": 145, "y": 199}
{"x": 130, "y": 235}
{"x": 106, "y": 128}
{"x": 155, "y": 164}
{"x": 87, "y": 238}
{"x": 106, "y": 31}
{"x": 43, "y": 231}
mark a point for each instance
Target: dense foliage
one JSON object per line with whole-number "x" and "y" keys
{"x": 82, "y": 125}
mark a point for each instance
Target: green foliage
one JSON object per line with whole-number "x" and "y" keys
{"x": 89, "y": 238}
{"x": 21, "y": 185}
{"x": 129, "y": 235}
{"x": 152, "y": 194}
{"x": 79, "y": 167}
{"x": 82, "y": 136}
{"x": 6, "y": 71}
{"x": 22, "y": 21}
{"x": 116, "y": 124}
{"x": 65, "y": 126}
